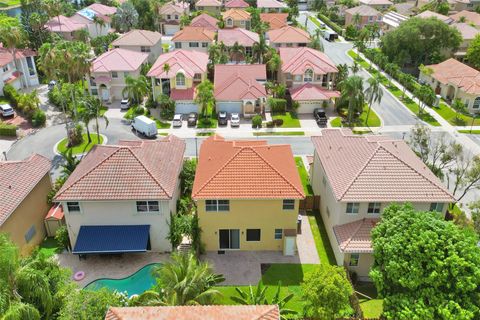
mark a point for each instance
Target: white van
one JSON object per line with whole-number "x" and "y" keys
{"x": 145, "y": 126}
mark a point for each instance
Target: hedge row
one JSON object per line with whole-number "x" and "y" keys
{"x": 277, "y": 105}
{"x": 9, "y": 130}
{"x": 335, "y": 27}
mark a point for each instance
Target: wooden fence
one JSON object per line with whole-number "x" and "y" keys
{"x": 310, "y": 203}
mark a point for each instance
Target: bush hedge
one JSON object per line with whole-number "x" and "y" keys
{"x": 38, "y": 118}
{"x": 335, "y": 27}
{"x": 257, "y": 121}
{"x": 8, "y": 130}
{"x": 11, "y": 95}
{"x": 277, "y": 105}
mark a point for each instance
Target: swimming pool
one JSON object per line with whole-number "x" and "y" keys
{"x": 137, "y": 283}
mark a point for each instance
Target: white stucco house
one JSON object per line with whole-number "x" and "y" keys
{"x": 23, "y": 74}
{"x": 120, "y": 197}
{"x": 145, "y": 41}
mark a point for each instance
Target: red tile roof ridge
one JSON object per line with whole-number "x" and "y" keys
{"x": 358, "y": 227}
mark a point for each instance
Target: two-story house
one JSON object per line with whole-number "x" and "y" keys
{"x": 468, "y": 33}
{"x": 141, "y": 41}
{"x": 247, "y": 195}
{"x": 170, "y": 14}
{"x": 206, "y": 21}
{"x": 212, "y": 6}
{"x": 21, "y": 73}
{"x": 309, "y": 75}
{"x": 356, "y": 177}
{"x": 271, "y": 6}
{"x": 274, "y": 20}
{"x": 194, "y": 38}
{"x": 288, "y": 37}
{"x": 110, "y": 70}
{"x": 361, "y": 16}
{"x": 239, "y": 36}
{"x": 240, "y": 88}
{"x": 176, "y": 74}
{"x": 65, "y": 27}
{"x": 120, "y": 198}
{"x": 23, "y": 200}
{"x": 236, "y": 18}
{"x": 236, "y": 4}
{"x": 380, "y": 5}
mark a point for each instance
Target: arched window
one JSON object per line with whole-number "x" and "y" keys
{"x": 229, "y": 22}
{"x": 180, "y": 80}
{"x": 308, "y": 76}
{"x": 476, "y": 103}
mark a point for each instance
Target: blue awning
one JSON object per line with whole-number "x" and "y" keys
{"x": 112, "y": 239}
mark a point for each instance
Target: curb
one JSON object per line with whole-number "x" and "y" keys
{"x": 55, "y": 149}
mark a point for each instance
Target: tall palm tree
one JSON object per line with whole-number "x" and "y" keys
{"x": 260, "y": 49}
{"x": 205, "y": 97}
{"x": 373, "y": 93}
{"x": 355, "y": 67}
{"x": 94, "y": 107}
{"x": 70, "y": 162}
{"x": 237, "y": 51}
{"x": 352, "y": 91}
{"x": 53, "y": 9}
{"x": 356, "y": 20}
{"x": 273, "y": 64}
{"x": 136, "y": 88}
{"x": 341, "y": 75}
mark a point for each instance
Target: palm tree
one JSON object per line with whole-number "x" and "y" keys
{"x": 94, "y": 107}
{"x": 12, "y": 38}
{"x": 316, "y": 42}
{"x": 260, "y": 48}
{"x": 53, "y": 9}
{"x": 70, "y": 162}
{"x": 352, "y": 91}
{"x": 356, "y": 20}
{"x": 126, "y": 17}
{"x": 135, "y": 88}
{"x": 373, "y": 93}
{"x": 355, "y": 67}
{"x": 273, "y": 64}
{"x": 237, "y": 51}
{"x": 98, "y": 22}
{"x": 341, "y": 75}
{"x": 205, "y": 97}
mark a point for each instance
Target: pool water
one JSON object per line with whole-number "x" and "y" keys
{"x": 137, "y": 283}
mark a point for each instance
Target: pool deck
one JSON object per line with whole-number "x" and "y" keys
{"x": 112, "y": 267}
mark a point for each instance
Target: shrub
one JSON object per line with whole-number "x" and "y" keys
{"x": 62, "y": 237}
{"x": 11, "y": 95}
{"x": 277, "y": 105}
{"x": 38, "y": 118}
{"x": 257, "y": 121}
{"x": 75, "y": 136}
{"x": 139, "y": 110}
{"x": 330, "y": 23}
{"x": 8, "y": 130}
{"x": 205, "y": 122}
{"x": 270, "y": 124}
{"x": 151, "y": 103}
{"x": 278, "y": 122}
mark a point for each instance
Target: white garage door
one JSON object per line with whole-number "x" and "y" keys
{"x": 170, "y": 30}
{"x": 232, "y": 106}
{"x": 186, "y": 107}
{"x": 307, "y": 107}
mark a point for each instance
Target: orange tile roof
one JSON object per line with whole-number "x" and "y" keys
{"x": 297, "y": 60}
{"x": 355, "y": 237}
{"x": 275, "y": 20}
{"x": 139, "y": 170}
{"x": 235, "y": 82}
{"x": 288, "y": 34}
{"x": 194, "y": 34}
{"x": 137, "y": 37}
{"x": 454, "y": 72}
{"x": 312, "y": 92}
{"x": 236, "y": 4}
{"x": 236, "y": 14}
{"x": 187, "y": 61}
{"x": 205, "y": 20}
{"x": 470, "y": 16}
{"x": 18, "y": 179}
{"x": 382, "y": 170}
{"x": 254, "y": 312}
{"x": 55, "y": 212}
{"x": 246, "y": 170}
{"x": 241, "y": 36}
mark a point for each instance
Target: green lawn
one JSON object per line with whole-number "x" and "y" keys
{"x": 132, "y": 113}
{"x": 372, "y": 308}
{"x": 303, "y": 176}
{"x": 83, "y": 147}
{"x": 289, "y": 120}
{"x": 9, "y": 3}
{"x": 49, "y": 247}
{"x": 324, "y": 248}
{"x": 160, "y": 123}
{"x": 3, "y": 100}
{"x": 202, "y": 125}
{"x": 373, "y": 120}
{"x": 280, "y": 133}
{"x": 455, "y": 118}
{"x": 205, "y": 134}
{"x": 315, "y": 21}
{"x": 468, "y": 131}
{"x": 291, "y": 277}
{"x": 103, "y": 110}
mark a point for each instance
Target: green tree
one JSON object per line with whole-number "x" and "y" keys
{"x": 237, "y": 51}
{"x": 205, "y": 97}
{"x": 136, "y": 88}
{"x": 426, "y": 96}
{"x": 187, "y": 176}
{"x": 373, "y": 93}
{"x": 352, "y": 91}
{"x": 473, "y": 52}
{"x": 126, "y": 17}
{"x": 425, "y": 267}
{"x": 91, "y": 108}
{"x": 341, "y": 75}
{"x": 260, "y": 49}
{"x": 460, "y": 108}
{"x": 326, "y": 292}
{"x": 13, "y": 38}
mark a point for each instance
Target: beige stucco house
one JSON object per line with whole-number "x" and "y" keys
{"x": 356, "y": 177}
{"x": 249, "y": 210}
{"x": 288, "y": 37}
{"x": 211, "y": 6}
{"x": 141, "y": 41}
{"x": 236, "y": 18}
{"x": 120, "y": 197}
{"x": 381, "y": 5}
{"x": 24, "y": 188}
{"x": 194, "y": 38}
{"x": 170, "y": 14}
{"x": 463, "y": 5}
{"x": 364, "y": 14}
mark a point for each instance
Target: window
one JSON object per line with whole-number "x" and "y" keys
{"x": 352, "y": 207}
{"x": 328, "y": 212}
{"x": 144, "y": 49}
{"x": 289, "y": 45}
{"x": 229, "y": 22}
{"x": 217, "y": 205}
{"x": 436, "y": 206}
{"x": 158, "y": 82}
{"x": 31, "y": 69}
{"x": 126, "y": 74}
{"x": 253, "y": 234}
{"x": 95, "y": 92}
{"x": 147, "y": 206}
{"x": 308, "y": 76}
{"x": 193, "y": 44}
{"x": 288, "y": 204}
{"x": 204, "y": 44}
{"x": 374, "y": 208}
{"x": 298, "y": 78}
{"x": 169, "y": 17}
{"x": 176, "y": 17}
{"x": 476, "y": 103}
{"x": 5, "y": 68}
{"x": 116, "y": 47}
{"x": 114, "y": 74}
{"x": 242, "y": 22}
{"x": 278, "y": 234}
{"x": 197, "y": 76}
{"x": 318, "y": 77}
{"x": 288, "y": 76}
{"x": 324, "y": 80}
{"x": 248, "y": 51}
{"x": 73, "y": 207}
{"x": 178, "y": 45}
{"x": 30, "y": 233}
{"x": 180, "y": 80}
{"x": 354, "y": 257}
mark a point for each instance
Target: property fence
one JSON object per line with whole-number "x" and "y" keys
{"x": 310, "y": 203}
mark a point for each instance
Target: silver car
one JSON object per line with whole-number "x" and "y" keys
{"x": 6, "y": 110}
{"x": 234, "y": 120}
{"x": 177, "y": 120}
{"x": 124, "y": 104}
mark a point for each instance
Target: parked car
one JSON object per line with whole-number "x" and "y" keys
{"x": 6, "y": 110}
{"x": 222, "y": 118}
{"x": 51, "y": 84}
{"x": 192, "y": 119}
{"x": 177, "y": 120}
{"x": 145, "y": 126}
{"x": 320, "y": 116}
{"x": 124, "y": 104}
{"x": 234, "y": 120}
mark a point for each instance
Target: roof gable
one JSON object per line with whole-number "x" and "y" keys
{"x": 243, "y": 37}
{"x": 297, "y": 60}
{"x": 238, "y": 82}
{"x": 236, "y": 4}
{"x": 288, "y": 34}
{"x": 119, "y": 60}
{"x": 275, "y": 20}
{"x": 208, "y": 3}
{"x": 138, "y": 38}
{"x": 205, "y": 20}
{"x": 189, "y": 62}
{"x": 236, "y": 14}
{"x": 194, "y": 34}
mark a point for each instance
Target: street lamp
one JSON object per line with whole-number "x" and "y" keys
{"x": 473, "y": 121}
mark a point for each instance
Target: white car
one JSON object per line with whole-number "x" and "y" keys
{"x": 124, "y": 104}
{"x": 6, "y": 110}
{"x": 234, "y": 120}
{"x": 177, "y": 120}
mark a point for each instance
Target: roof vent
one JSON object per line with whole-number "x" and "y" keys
{"x": 9, "y": 187}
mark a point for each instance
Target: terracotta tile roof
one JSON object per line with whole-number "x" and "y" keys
{"x": 133, "y": 170}
{"x": 174, "y": 7}
{"x": 205, "y": 20}
{"x": 18, "y": 179}
{"x": 6, "y": 56}
{"x": 257, "y": 312}
{"x": 363, "y": 10}
{"x": 236, "y": 14}
{"x": 208, "y": 3}
{"x": 63, "y": 24}
{"x": 470, "y": 16}
{"x": 430, "y": 14}
{"x": 236, "y": 4}
{"x": 234, "y": 82}
{"x": 275, "y": 20}
{"x": 467, "y": 31}
{"x": 103, "y": 9}
{"x": 194, "y": 34}
{"x": 138, "y": 38}
{"x": 288, "y": 34}
{"x": 459, "y": 74}
{"x": 271, "y": 4}
{"x": 376, "y": 2}
{"x": 297, "y": 60}
{"x": 246, "y": 170}
{"x": 55, "y": 212}
{"x": 382, "y": 170}
{"x": 311, "y": 92}
{"x": 186, "y": 61}
{"x": 119, "y": 60}
{"x": 355, "y": 237}
{"x": 244, "y": 37}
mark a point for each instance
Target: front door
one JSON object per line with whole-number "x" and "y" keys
{"x": 166, "y": 86}
{"x": 105, "y": 94}
{"x": 289, "y": 246}
{"x": 229, "y": 239}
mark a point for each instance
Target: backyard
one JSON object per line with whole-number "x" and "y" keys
{"x": 303, "y": 176}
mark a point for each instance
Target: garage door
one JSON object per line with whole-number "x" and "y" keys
{"x": 170, "y": 30}
{"x": 185, "y": 107}
{"x": 307, "y": 107}
{"x": 229, "y": 107}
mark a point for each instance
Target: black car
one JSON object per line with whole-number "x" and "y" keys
{"x": 192, "y": 119}
{"x": 222, "y": 118}
{"x": 320, "y": 117}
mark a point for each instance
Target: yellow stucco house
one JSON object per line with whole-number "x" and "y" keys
{"x": 24, "y": 188}
{"x": 247, "y": 195}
